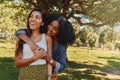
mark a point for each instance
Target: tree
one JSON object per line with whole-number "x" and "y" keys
{"x": 92, "y": 40}
{"x": 105, "y": 36}
{"x": 83, "y": 36}
{"x": 98, "y": 12}
{"x": 88, "y": 37}
{"x": 12, "y": 17}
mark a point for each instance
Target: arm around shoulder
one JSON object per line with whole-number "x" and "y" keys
{"x": 20, "y": 31}
{"x": 49, "y": 45}
{"x": 19, "y": 62}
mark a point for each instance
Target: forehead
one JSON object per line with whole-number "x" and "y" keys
{"x": 36, "y": 13}
{"x": 55, "y": 23}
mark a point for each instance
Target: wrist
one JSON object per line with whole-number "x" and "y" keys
{"x": 34, "y": 58}
{"x": 33, "y": 46}
{"x": 30, "y": 43}
{"x": 50, "y": 75}
{"x": 47, "y": 58}
{"x": 51, "y": 61}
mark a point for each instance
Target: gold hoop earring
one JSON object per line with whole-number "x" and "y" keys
{"x": 42, "y": 24}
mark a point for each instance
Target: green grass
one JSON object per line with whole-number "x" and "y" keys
{"x": 83, "y": 64}
{"x": 8, "y": 71}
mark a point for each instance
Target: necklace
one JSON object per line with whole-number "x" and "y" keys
{"x": 34, "y": 37}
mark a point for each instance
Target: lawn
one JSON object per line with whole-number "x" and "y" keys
{"x": 83, "y": 64}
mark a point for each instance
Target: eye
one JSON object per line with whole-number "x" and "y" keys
{"x": 56, "y": 29}
{"x": 38, "y": 17}
{"x": 51, "y": 25}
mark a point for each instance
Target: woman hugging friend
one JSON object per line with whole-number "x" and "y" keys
{"x": 57, "y": 27}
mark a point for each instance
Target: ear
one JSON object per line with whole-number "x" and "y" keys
{"x": 42, "y": 24}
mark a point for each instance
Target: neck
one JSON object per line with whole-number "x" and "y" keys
{"x": 54, "y": 39}
{"x": 35, "y": 33}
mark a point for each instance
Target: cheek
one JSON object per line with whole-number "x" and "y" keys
{"x": 39, "y": 21}
{"x": 55, "y": 33}
{"x": 28, "y": 20}
{"x": 48, "y": 27}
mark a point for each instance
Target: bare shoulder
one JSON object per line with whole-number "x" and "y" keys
{"x": 48, "y": 37}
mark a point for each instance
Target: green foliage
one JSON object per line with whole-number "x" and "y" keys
{"x": 83, "y": 36}
{"x": 78, "y": 43}
{"x": 105, "y": 36}
{"x": 106, "y": 11}
{"x": 110, "y": 46}
{"x": 117, "y": 45}
{"x": 12, "y": 17}
{"x": 98, "y": 12}
{"x": 87, "y": 36}
{"x": 92, "y": 40}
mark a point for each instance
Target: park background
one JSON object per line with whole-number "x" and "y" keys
{"x": 95, "y": 55}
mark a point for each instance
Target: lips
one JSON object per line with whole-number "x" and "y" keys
{"x": 32, "y": 24}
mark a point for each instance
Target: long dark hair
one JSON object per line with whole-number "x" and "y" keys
{"x": 28, "y": 31}
{"x": 66, "y": 33}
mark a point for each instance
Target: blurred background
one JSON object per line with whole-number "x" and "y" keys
{"x": 95, "y": 55}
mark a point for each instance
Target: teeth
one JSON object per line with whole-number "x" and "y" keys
{"x": 32, "y": 23}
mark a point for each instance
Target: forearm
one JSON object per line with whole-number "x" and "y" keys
{"x": 22, "y": 34}
{"x": 28, "y": 41}
{"x": 56, "y": 65}
{"x": 24, "y": 62}
{"x": 49, "y": 68}
{"x": 50, "y": 61}
{"x": 25, "y": 39}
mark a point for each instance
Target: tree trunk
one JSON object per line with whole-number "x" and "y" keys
{"x": 112, "y": 34}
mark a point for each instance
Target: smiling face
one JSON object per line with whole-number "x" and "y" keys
{"x": 35, "y": 20}
{"x": 53, "y": 28}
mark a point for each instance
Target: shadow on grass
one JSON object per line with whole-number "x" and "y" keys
{"x": 115, "y": 66}
{"x": 74, "y": 71}
{"x": 83, "y": 71}
{"x": 110, "y": 58}
{"x": 8, "y": 70}
{"x": 113, "y": 63}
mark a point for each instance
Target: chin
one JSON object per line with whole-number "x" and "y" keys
{"x": 49, "y": 34}
{"x": 32, "y": 27}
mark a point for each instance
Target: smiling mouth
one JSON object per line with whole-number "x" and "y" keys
{"x": 32, "y": 24}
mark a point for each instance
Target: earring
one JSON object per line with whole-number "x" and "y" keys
{"x": 42, "y": 24}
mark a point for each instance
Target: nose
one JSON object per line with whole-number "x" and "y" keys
{"x": 32, "y": 18}
{"x": 50, "y": 28}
